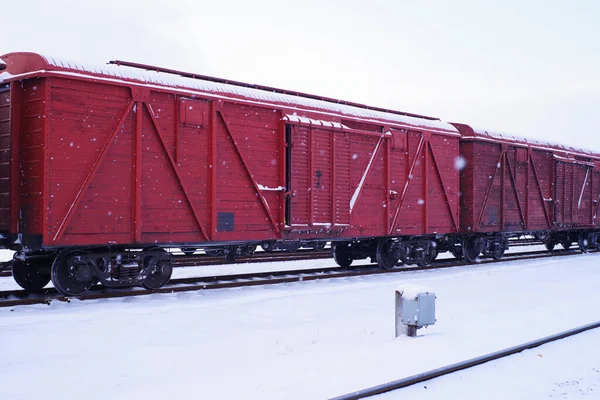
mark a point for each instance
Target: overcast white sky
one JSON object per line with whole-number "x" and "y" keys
{"x": 529, "y": 68}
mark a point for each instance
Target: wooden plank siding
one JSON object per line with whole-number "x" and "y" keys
{"x": 5, "y": 158}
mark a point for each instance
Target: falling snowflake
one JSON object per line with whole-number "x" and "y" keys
{"x": 460, "y": 163}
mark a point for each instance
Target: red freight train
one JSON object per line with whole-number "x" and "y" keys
{"x": 101, "y": 168}
{"x": 512, "y": 185}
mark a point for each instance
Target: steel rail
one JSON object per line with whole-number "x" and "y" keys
{"x": 435, "y": 373}
{"x": 204, "y": 259}
{"x": 21, "y": 297}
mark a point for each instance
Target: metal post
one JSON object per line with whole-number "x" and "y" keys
{"x": 402, "y": 329}
{"x": 398, "y": 316}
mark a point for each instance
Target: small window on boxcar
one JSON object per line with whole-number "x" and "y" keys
{"x": 399, "y": 139}
{"x": 193, "y": 112}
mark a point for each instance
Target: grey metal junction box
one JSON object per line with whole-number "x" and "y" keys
{"x": 414, "y": 310}
{"x": 419, "y": 311}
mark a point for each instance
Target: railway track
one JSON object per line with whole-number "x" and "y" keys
{"x": 473, "y": 362}
{"x": 203, "y": 259}
{"x": 20, "y": 297}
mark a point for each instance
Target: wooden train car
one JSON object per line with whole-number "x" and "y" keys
{"x": 514, "y": 186}
{"x": 103, "y": 167}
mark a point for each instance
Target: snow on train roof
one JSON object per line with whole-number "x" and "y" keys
{"x": 175, "y": 81}
{"x": 534, "y": 142}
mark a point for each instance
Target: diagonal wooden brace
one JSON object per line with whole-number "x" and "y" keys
{"x": 176, "y": 170}
{"x": 91, "y": 174}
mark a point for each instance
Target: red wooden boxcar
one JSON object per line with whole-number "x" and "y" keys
{"x": 514, "y": 185}
{"x": 103, "y": 167}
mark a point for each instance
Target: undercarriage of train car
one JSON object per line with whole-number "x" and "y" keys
{"x": 423, "y": 250}
{"x": 74, "y": 271}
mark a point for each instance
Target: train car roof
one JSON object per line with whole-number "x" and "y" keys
{"x": 484, "y": 134}
{"x": 27, "y": 63}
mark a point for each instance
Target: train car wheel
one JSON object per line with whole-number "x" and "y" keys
{"x": 429, "y": 257}
{"x": 457, "y": 252}
{"x": 566, "y": 244}
{"x": 434, "y": 252}
{"x": 160, "y": 274}
{"x": 472, "y": 247}
{"x": 29, "y": 276}
{"x": 70, "y": 276}
{"x": 550, "y": 243}
{"x": 342, "y": 255}
{"x": 498, "y": 253}
{"x": 584, "y": 242}
{"x": 385, "y": 254}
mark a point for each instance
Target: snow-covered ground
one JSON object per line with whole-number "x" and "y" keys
{"x": 313, "y": 340}
{"x": 566, "y": 369}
